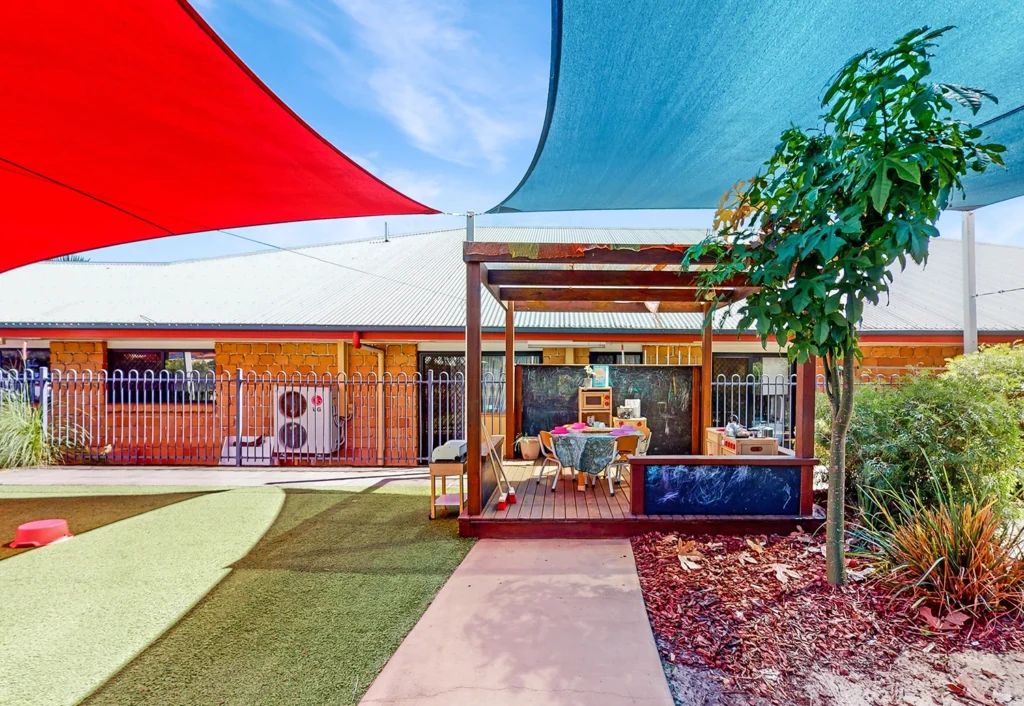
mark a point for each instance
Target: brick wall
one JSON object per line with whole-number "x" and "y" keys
{"x": 78, "y": 356}
{"x": 274, "y": 358}
{"x": 894, "y": 359}
{"x": 360, "y": 400}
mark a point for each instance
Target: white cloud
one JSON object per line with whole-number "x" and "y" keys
{"x": 434, "y": 80}
{"x": 424, "y": 189}
{"x": 415, "y": 63}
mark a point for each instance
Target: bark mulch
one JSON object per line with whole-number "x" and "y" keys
{"x": 758, "y": 613}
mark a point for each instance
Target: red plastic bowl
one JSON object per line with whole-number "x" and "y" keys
{"x": 40, "y": 533}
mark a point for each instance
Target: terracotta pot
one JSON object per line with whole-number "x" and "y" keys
{"x": 530, "y": 448}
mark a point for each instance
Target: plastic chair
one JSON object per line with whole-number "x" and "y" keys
{"x": 547, "y": 450}
{"x": 625, "y": 447}
{"x": 645, "y": 443}
{"x": 597, "y": 457}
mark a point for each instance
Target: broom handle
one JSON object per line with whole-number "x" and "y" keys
{"x": 492, "y": 454}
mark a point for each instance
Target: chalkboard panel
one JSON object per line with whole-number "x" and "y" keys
{"x": 666, "y": 399}
{"x": 722, "y": 490}
{"x": 549, "y": 398}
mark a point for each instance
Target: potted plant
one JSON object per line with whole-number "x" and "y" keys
{"x": 528, "y": 446}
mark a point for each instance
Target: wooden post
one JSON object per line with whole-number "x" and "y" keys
{"x": 805, "y": 383}
{"x": 805, "y": 409}
{"x": 474, "y": 374}
{"x": 705, "y": 381}
{"x": 510, "y": 381}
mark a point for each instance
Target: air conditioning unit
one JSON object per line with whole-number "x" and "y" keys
{"x": 306, "y": 419}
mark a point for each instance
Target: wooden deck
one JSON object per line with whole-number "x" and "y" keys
{"x": 593, "y": 513}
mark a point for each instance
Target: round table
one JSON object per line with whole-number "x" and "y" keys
{"x": 569, "y": 448}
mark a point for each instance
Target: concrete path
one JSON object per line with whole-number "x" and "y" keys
{"x": 538, "y": 622}
{"x": 213, "y": 476}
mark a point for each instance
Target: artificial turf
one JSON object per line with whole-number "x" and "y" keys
{"x": 83, "y": 513}
{"x": 310, "y": 615}
{"x": 78, "y": 611}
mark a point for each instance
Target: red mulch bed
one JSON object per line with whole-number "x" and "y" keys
{"x": 763, "y": 619}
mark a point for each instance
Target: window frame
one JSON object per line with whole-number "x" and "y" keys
{"x": 160, "y": 387}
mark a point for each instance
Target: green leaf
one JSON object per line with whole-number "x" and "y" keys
{"x": 854, "y": 309}
{"x": 966, "y": 96}
{"x": 908, "y": 171}
{"x": 880, "y": 190}
{"x": 821, "y": 331}
{"x": 800, "y": 301}
{"x": 830, "y": 246}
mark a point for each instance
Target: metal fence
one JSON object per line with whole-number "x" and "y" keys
{"x": 254, "y": 420}
{"x": 756, "y": 401}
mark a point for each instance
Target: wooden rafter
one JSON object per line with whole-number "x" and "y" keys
{"x": 574, "y": 253}
{"x": 611, "y": 307}
{"x": 595, "y": 294}
{"x": 484, "y": 279}
{"x": 601, "y": 278}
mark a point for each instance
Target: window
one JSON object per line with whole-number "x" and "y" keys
{"x": 12, "y": 359}
{"x": 616, "y": 358}
{"x": 160, "y": 377}
{"x": 492, "y": 364}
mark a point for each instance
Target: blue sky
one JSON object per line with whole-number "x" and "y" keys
{"x": 443, "y": 99}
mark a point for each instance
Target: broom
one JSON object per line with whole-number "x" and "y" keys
{"x": 508, "y": 493}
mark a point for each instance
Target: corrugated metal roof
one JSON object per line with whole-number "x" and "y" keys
{"x": 417, "y": 281}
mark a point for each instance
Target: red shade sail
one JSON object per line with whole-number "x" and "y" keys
{"x": 125, "y": 120}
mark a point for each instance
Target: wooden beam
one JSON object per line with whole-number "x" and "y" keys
{"x": 601, "y": 278}
{"x": 474, "y": 374}
{"x": 510, "y": 371}
{"x": 805, "y": 389}
{"x": 579, "y": 253}
{"x": 593, "y": 294}
{"x": 705, "y": 383}
{"x": 611, "y": 307}
{"x": 490, "y": 288}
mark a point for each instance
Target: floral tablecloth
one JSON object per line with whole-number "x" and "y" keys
{"x": 589, "y": 453}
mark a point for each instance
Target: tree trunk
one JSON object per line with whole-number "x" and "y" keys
{"x": 835, "y": 530}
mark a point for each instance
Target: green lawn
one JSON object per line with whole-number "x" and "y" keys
{"x": 310, "y": 615}
{"x": 215, "y": 596}
{"x": 83, "y": 513}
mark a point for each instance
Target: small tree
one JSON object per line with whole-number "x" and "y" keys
{"x": 834, "y": 209}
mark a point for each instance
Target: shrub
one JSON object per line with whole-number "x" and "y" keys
{"x": 1002, "y": 366}
{"x": 950, "y": 551}
{"x": 961, "y": 424}
{"x": 22, "y": 442}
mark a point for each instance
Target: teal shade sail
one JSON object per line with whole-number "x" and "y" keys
{"x": 667, "y": 103}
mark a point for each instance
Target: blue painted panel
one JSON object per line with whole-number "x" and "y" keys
{"x": 722, "y": 490}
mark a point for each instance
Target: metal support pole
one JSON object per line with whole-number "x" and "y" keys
{"x": 44, "y": 399}
{"x": 470, "y": 226}
{"x": 970, "y": 284}
{"x": 238, "y": 416}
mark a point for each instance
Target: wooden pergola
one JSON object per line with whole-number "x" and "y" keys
{"x": 604, "y": 278}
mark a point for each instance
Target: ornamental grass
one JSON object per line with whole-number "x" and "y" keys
{"x": 959, "y": 555}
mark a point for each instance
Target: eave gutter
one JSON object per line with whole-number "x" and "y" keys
{"x": 35, "y": 330}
